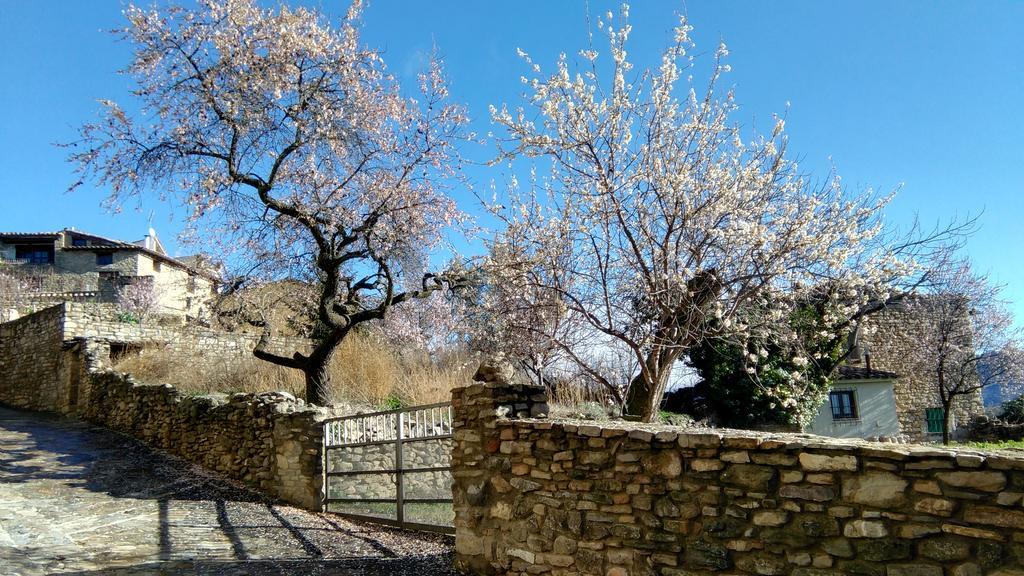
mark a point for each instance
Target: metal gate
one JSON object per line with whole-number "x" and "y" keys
{"x": 392, "y": 467}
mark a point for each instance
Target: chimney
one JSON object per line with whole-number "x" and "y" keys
{"x": 149, "y": 242}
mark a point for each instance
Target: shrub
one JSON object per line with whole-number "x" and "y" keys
{"x": 392, "y": 403}
{"x": 1013, "y": 411}
{"x": 675, "y": 419}
{"x": 775, "y": 382}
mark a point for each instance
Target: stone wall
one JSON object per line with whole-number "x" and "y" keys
{"x": 991, "y": 429}
{"x": 270, "y": 441}
{"x": 535, "y": 496}
{"x": 74, "y": 262}
{"x": 31, "y": 361}
{"x": 37, "y": 361}
{"x": 203, "y": 349}
{"x": 56, "y": 360}
{"x": 890, "y": 338}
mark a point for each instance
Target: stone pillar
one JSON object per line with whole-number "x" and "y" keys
{"x": 478, "y": 409}
{"x": 298, "y": 447}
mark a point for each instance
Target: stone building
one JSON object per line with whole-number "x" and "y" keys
{"x": 887, "y": 390}
{"x": 75, "y": 266}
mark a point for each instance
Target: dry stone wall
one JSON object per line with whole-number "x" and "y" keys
{"x": 270, "y": 441}
{"x": 40, "y": 364}
{"x": 535, "y": 496}
{"x": 56, "y": 360}
{"x": 204, "y": 350}
{"x": 31, "y": 361}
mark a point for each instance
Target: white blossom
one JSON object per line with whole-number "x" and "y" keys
{"x": 659, "y": 218}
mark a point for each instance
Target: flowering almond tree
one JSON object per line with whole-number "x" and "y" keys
{"x": 526, "y": 323}
{"x": 432, "y": 325}
{"x": 293, "y": 147}
{"x": 658, "y": 224}
{"x": 139, "y": 300}
{"x": 969, "y": 340}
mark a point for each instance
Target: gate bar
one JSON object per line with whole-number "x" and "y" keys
{"x": 399, "y": 480}
{"x": 389, "y": 471}
{"x": 391, "y": 501}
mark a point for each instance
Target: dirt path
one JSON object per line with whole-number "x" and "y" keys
{"x": 76, "y": 499}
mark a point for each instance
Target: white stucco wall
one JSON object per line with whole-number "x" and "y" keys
{"x": 180, "y": 292}
{"x": 876, "y": 411}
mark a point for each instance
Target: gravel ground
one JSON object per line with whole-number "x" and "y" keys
{"x": 76, "y": 499}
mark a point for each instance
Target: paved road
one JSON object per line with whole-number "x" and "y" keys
{"x": 76, "y": 499}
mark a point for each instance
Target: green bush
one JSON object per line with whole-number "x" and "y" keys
{"x": 771, "y": 397}
{"x": 1013, "y": 411}
{"x": 127, "y": 318}
{"x": 392, "y": 402}
{"x": 675, "y": 419}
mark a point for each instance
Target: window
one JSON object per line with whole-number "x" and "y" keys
{"x": 933, "y": 416}
{"x": 104, "y": 258}
{"x": 34, "y": 254}
{"x": 844, "y": 405}
{"x": 157, "y": 266}
{"x": 79, "y": 242}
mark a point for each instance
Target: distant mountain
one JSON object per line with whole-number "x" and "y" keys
{"x": 992, "y": 395}
{"x": 998, "y": 392}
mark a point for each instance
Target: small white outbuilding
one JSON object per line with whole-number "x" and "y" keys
{"x": 861, "y": 404}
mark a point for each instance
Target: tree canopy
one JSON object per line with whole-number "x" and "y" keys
{"x": 659, "y": 220}
{"x": 293, "y": 149}
{"x": 969, "y": 340}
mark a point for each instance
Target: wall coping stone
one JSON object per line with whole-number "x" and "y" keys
{"x": 750, "y": 440}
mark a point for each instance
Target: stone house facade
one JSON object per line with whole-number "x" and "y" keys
{"x": 71, "y": 265}
{"x": 886, "y": 390}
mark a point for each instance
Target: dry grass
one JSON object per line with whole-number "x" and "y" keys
{"x": 573, "y": 394}
{"x": 364, "y": 371}
{"x": 206, "y": 376}
{"x": 578, "y": 400}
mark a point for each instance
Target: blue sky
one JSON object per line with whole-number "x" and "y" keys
{"x": 926, "y": 96}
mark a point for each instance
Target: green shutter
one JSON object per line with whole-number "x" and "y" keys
{"x": 934, "y": 418}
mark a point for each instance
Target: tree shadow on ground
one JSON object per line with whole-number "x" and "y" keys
{"x": 189, "y": 501}
{"x": 55, "y": 448}
{"x": 432, "y": 565}
{"x": 25, "y": 459}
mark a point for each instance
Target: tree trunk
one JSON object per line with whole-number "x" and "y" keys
{"x": 947, "y": 406}
{"x": 643, "y": 399}
{"x": 318, "y": 377}
{"x": 316, "y": 367}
